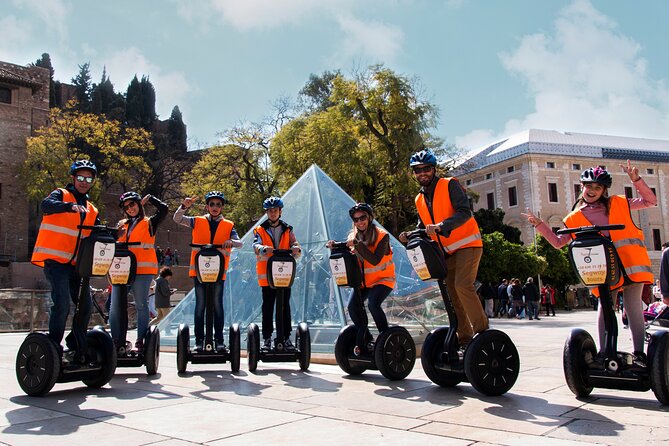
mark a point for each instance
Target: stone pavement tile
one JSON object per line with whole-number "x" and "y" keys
{"x": 175, "y": 442}
{"x": 642, "y": 413}
{"x": 16, "y": 411}
{"x": 74, "y": 431}
{"x": 268, "y": 403}
{"x": 326, "y": 432}
{"x": 613, "y": 433}
{"x": 357, "y": 416}
{"x": 204, "y": 421}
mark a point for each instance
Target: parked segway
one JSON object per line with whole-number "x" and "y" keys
{"x": 394, "y": 351}
{"x": 280, "y": 275}
{"x": 490, "y": 362}
{"x": 40, "y": 363}
{"x": 209, "y": 265}
{"x": 122, "y": 274}
{"x": 596, "y": 261}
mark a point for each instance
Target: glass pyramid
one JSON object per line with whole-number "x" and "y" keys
{"x": 317, "y": 208}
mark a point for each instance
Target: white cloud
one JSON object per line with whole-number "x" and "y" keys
{"x": 250, "y": 14}
{"x": 15, "y": 34}
{"x": 370, "y": 40}
{"x": 52, "y": 13}
{"x": 587, "y": 76}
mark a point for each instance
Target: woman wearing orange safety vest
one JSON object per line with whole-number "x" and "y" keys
{"x": 595, "y": 207}
{"x": 137, "y": 227}
{"x": 210, "y": 228}
{"x": 371, "y": 245}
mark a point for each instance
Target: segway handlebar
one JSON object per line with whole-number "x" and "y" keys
{"x": 338, "y": 245}
{"x": 126, "y": 244}
{"x": 206, "y": 245}
{"x": 282, "y": 252}
{"x": 588, "y": 229}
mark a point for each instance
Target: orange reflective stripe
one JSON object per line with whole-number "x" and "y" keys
{"x": 261, "y": 260}
{"x": 147, "y": 259}
{"x": 201, "y": 235}
{"x": 384, "y": 272}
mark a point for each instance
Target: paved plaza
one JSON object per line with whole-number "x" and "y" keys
{"x": 280, "y": 405}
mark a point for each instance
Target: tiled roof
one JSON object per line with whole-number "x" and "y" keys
{"x": 13, "y": 78}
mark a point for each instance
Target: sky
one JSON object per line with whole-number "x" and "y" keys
{"x": 493, "y": 68}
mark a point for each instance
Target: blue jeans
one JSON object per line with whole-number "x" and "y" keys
{"x": 356, "y": 309}
{"x": 200, "y": 306}
{"x": 140, "y": 290}
{"x": 65, "y": 284}
{"x": 269, "y": 296}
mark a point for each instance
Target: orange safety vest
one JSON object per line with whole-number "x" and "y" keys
{"x": 147, "y": 260}
{"x": 383, "y": 273}
{"x": 628, "y": 242}
{"x": 202, "y": 236}
{"x": 58, "y": 237}
{"x": 465, "y": 236}
{"x": 261, "y": 260}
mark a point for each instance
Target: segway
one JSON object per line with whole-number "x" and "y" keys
{"x": 122, "y": 274}
{"x": 490, "y": 362}
{"x": 209, "y": 265}
{"x": 394, "y": 351}
{"x": 40, "y": 362}
{"x": 596, "y": 261}
{"x": 280, "y": 275}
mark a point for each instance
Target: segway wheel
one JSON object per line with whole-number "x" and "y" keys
{"x": 37, "y": 364}
{"x": 579, "y": 348}
{"x": 183, "y": 347}
{"x": 658, "y": 357}
{"x": 152, "y": 350}
{"x": 433, "y": 347}
{"x": 395, "y": 353}
{"x": 492, "y": 363}
{"x": 303, "y": 341}
{"x": 253, "y": 346}
{"x": 235, "y": 347}
{"x": 100, "y": 348}
{"x": 344, "y": 349}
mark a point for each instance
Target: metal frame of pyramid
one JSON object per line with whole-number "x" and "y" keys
{"x": 317, "y": 208}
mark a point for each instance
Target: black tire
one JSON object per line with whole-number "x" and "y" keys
{"x": 183, "y": 348}
{"x": 492, "y": 363}
{"x": 395, "y": 353}
{"x": 152, "y": 350}
{"x": 344, "y": 349}
{"x": 303, "y": 342}
{"x": 235, "y": 347}
{"x": 253, "y": 346}
{"x": 37, "y": 364}
{"x": 100, "y": 348}
{"x": 579, "y": 348}
{"x": 433, "y": 347}
{"x": 658, "y": 357}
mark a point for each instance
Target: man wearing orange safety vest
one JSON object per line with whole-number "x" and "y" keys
{"x": 444, "y": 212}
{"x": 210, "y": 228}
{"x": 272, "y": 234}
{"x": 56, "y": 249}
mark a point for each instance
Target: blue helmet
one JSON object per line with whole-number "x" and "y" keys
{"x": 214, "y": 194}
{"x": 272, "y": 202}
{"x": 424, "y": 156}
{"x": 83, "y": 164}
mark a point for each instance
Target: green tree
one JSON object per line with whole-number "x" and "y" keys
{"x": 315, "y": 95}
{"x": 503, "y": 259}
{"x": 105, "y": 101}
{"x": 82, "y": 87}
{"x": 492, "y": 220}
{"x": 176, "y": 131}
{"x": 559, "y": 271}
{"x": 140, "y": 108}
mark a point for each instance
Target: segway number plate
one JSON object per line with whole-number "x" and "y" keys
{"x": 209, "y": 268}
{"x": 119, "y": 273}
{"x": 338, "y": 268}
{"x": 591, "y": 264}
{"x": 282, "y": 274}
{"x": 417, "y": 260}
{"x": 103, "y": 256}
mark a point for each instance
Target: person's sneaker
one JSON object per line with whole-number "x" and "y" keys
{"x": 267, "y": 344}
{"x": 199, "y": 345}
{"x": 538, "y": 318}
{"x": 139, "y": 346}
{"x": 69, "y": 356}
{"x": 288, "y": 346}
{"x": 640, "y": 359}
{"x": 220, "y": 346}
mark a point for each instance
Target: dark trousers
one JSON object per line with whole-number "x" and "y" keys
{"x": 200, "y": 307}
{"x": 549, "y": 307}
{"x": 356, "y": 310}
{"x": 269, "y": 296}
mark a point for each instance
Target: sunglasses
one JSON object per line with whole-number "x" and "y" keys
{"x": 81, "y": 179}
{"x": 423, "y": 169}
{"x": 132, "y": 204}
{"x": 215, "y": 204}
{"x": 361, "y": 218}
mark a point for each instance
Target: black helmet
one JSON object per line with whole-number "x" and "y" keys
{"x": 272, "y": 202}
{"x": 214, "y": 194}
{"x": 597, "y": 175}
{"x": 424, "y": 156}
{"x": 83, "y": 164}
{"x": 361, "y": 207}
{"x": 134, "y": 196}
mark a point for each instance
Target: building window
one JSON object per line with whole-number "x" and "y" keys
{"x": 491, "y": 201}
{"x": 488, "y": 176}
{"x": 628, "y": 192}
{"x": 5, "y": 95}
{"x": 550, "y": 165}
{"x": 575, "y": 167}
{"x": 657, "y": 242}
{"x": 552, "y": 192}
{"x": 513, "y": 197}
{"x": 510, "y": 169}
{"x": 577, "y": 191}
{"x": 650, "y": 171}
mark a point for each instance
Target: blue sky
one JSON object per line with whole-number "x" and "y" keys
{"x": 493, "y": 68}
